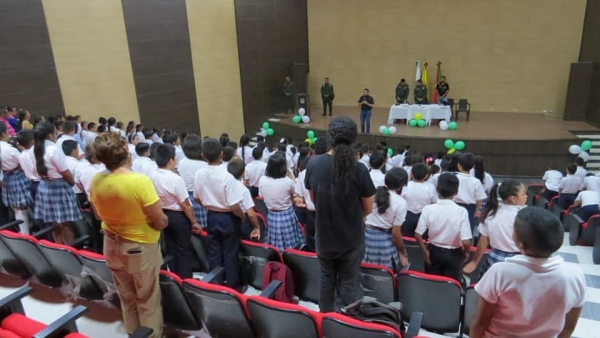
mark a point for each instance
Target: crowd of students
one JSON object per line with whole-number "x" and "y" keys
{"x": 355, "y": 202}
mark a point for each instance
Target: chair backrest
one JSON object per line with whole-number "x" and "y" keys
{"x": 553, "y": 202}
{"x": 533, "y": 189}
{"x": 200, "y": 249}
{"x": 306, "y": 269}
{"x": 261, "y": 207}
{"x": 221, "y": 310}
{"x": 25, "y": 247}
{"x": 95, "y": 265}
{"x": 471, "y": 300}
{"x": 63, "y": 258}
{"x": 273, "y": 319}
{"x": 473, "y": 277}
{"x": 176, "y": 310}
{"x": 451, "y": 103}
{"x": 262, "y": 222}
{"x": 415, "y": 254}
{"x": 11, "y": 263}
{"x": 253, "y": 258}
{"x": 378, "y": 282}
{"x": 438, "y": 298}
{"x": 462, "y": 103}
{"x": 335, "y": 325}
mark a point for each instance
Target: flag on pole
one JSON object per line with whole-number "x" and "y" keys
{"x": 425, "y": 79}
{"x": 418, "y": 76}
{"x": 438, "y": 78}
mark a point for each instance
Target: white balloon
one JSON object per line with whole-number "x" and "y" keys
{"x": 584, "y": 156}
{"x": 381, "y": 129}
{"x": 393, "y": 130}
{"x": 574, "y": 149}
{"x": 443, "y": 125}
{"x": 301, "y": 111}
{"x": 305, "y": 118}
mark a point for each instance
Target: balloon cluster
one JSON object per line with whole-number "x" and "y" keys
{"x": 266, "y": 130}
{"x": 582, "y": 151}
{"x": 387, "y": 130}
{"x": 301, "y": 117}
{"x": 445, "y": 125}
{"x": 417, "y": 121}
{"x": 452, "y": 146}
{"x": 311, "y": 137}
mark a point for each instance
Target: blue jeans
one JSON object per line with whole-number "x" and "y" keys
{"x": 365, "y": 118}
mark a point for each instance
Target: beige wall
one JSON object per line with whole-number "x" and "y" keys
{"x": 90, "y": 50}
{"x": 213, "y": 39}
{"x": 506, "y": 56}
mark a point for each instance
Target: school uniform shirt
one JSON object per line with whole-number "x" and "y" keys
{"x": 302, "y": 191}
{"x": 419, "y": 195}
{"x": 552, "y": 178}
{"x": 65, "y": 137}
{"x": 85, "y": 172}
{"x": 77, "y": 137}
{"x": 588, "y": 197}
{"x": 447, "y": 222}
{"x": 247, "y": 156}
{"x": 28, "y": 165}
{"x": 470, "y": 189}
{"x": 277, "y": 192}
{"x": 140, "y": 135}
{"x": 266, "y": 155}
{"x": 388, "y": 165}
{"x": 223, "y": 165}
{"x": 435, "y": 177}
{"x": 500, "y": 227}
{"x": 89, "y": 137}
{"x": 72, "y": 162}
{"x": 437, "y": 161}
{"x": 581, "y": 172}
{"x": 290, "y": 162}
{"x": 378, "y": 177}
{"x": 187, "y": 170}
{"x": 247, "y": 201}
{"x": 217, "y": 188}
{"x": 157, "y": 139}
{"x": 170, "y": 189}
{"x": 149, "y": 141}
{"x": 10, "y": 156}
{"x": 488, "y": 181}
{"x": 295, "y": 159}
{"x": 144, "y": 165}
{"x": 570, "y": 184}
{"x": 54, "y": 158}
{"x": 254, "y": 171}
{"x": 132, "y": 152}
{"x": 591, "y": 183}
{"x": 398, "y": 160}
{"x": 179, "y": 155}
{"x": 365, "y": 159}
{"x": 393, "y": 216}
{"x": 540, "y": 290}
{"x": 117, "y": 131}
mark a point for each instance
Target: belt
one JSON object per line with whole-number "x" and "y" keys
{"x": 378, "y": 228}
{"x": 506, "y": 252}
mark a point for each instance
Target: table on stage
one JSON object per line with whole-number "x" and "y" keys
{"x": 428, "y": 112}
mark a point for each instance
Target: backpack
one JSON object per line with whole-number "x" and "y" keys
{"x": 278, "y": 271}
{"x": 370, "y": 310}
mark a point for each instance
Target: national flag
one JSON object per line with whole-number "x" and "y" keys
{"x": 418, "y": 77}
{"x": 425, "y": 78}
{"x": 438, "y": 78}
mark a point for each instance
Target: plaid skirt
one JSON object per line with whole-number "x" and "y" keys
{"x": 16, "y": 191}
{"x": 199, "y": 211}
{"x": 380, "y": 249}
{"x": 55, "y": 202}
{"x": 283, "y": 231}
{"x": 495, "y": 256}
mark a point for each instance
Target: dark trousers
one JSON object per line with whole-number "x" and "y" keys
{"x": 96, "y": 234}
{"x": 224, "y": 244}
{"x": 178, "y": 236}
{"x": 253, "y": 192}
{"x": 445, "y": 262}
{"x": 566, "y": 200}
{"x": 471, "y": 211}
{"x": 327, "y": 102}
{"x": 309, "y": 229}
{"x": 587, "y": 211}
{"x": 289, "y": 103}
{"x": 4, "y": 212}
{"x": 340, "y": 270}
{"x": 82, "y": 200}
{"x": 548, "y": 194}
{"x": 410, "y": 224}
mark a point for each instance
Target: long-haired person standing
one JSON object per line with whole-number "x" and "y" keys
{"x": 342, "y": 192}
{"x": 132, "y": 219}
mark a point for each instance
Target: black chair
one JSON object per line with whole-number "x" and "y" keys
{"x": 533, "y": 190}
{"x": 306, "y": 269}
{"x": 261, "y": 207}
{"x": 581, "y": 233}
{"x": 463, "y": 106}
{"x": 253, "y": 258}
{"x": 471, "y": 300}
{"x": 10, "y": 263}
{"x": 596, "y": 249}
{"x": 451, "y": 105}
{"x": 473, "y": 277}
{"x": 95, "y": 266}
{"x": 176, "y": 310}
{"x": 273, "y": 319}
{"x": 378, "y": 282}
{"x": 335, "y": 325}
{"x": 415, "y": 254}
{"x": 200, "y": 262}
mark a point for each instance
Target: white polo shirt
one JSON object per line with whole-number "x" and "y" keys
{"x": 179, "y": 155}
{"x": 89, "y": 137}
{"x": 187, "y": 169}
{"x": 365, "y": 159}
{"x": 591, "y": 183}
{"x": 247, "y": 201}
{"x": 140, "y": 136}
{"x": 73, "y": 163}
{"x": 65, "y": 137}
{"x": 447, "y": 222}
{"x": 302, "y": 191}
{"x": 10, "y": 156}
{"x": 266, "y": 155}
{"x": 393, "y": 216}
{"x": 54, "y": 158}
{"x": 254, "y": 171}
{"x": 398, "y": 160}
{"x": 378, "y": 177}
{"x": 418, "y": 195}
{"x": 552, "y": 178}
{"x": 132, "y": 152}
{"x": 215, "y": 187}
{"x": 247, "y": 158}
{"x": 488, "y": 181}
{"x": 144, "y": 165}
{"x": 28, "y": 165}
{"x": 500, "y": 227}
{"x": 532, "y": 295}
{"x": 170, "y": 189}
{"x": 581, "y": 172}
{"x": 223, "y": 165}
{"x": 470, "y": 189}
{"x": 588, "y": 197}
{"x": 570, "y": 184}
{"x": 86, "y": 172}
{"x": 277, "y": 192}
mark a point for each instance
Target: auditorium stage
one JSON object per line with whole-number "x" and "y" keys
{"x": 512, "y": 143}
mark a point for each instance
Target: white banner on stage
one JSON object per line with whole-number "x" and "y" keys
{"x": 428, "y": 112}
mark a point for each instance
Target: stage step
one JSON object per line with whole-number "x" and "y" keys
{"x": 593, "y": 165}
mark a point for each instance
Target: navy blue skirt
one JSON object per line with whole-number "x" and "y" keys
{"x": 56, "y": 202}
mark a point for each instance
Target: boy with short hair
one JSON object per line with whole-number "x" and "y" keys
{"x": 254, "y": 171}
{"x": 449, "y": 232}
{"x": 552, "y": 178}
{"x": 534, "y": 294}
{"x": 418, "y": 194}
{"x": 143, "y": 164}
{"x": 228, "y": 153}
{"x": 569, "y": 187}
{"x": 581, "y": 172}
{"x": 470, "y": 190}
{"x": 71, "y": 150}
{"x": 236, "y": 168}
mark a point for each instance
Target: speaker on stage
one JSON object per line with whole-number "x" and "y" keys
{"x": 303, "y": 102}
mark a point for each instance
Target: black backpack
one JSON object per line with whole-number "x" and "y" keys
{"x": 370, "y": 310}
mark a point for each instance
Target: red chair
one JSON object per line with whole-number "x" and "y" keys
{"x": 273, "y": 319}
{"x": 378, "y": 282}
{"x": 533, "y": 190}
{"x": 253, "y": 258}
{"x": 306, "y": 269}
{"x": 176, "y": 309}
{"x": 335, "y": 325}
{"x": 588, "y": 231}
{"x": 200, "y": 261}
{"x": 96, "y": 267}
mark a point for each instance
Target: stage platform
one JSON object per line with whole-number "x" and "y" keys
{"x": 512, "y": 144}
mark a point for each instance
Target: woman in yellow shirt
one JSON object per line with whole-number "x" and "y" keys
{"x": 132, "y": 218}
{"x": 24, "y": 118}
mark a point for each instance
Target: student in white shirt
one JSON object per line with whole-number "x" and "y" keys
{"x": 89, "y": 135}
{"x": 470, "y": 191}
{"x": 228, "y": 153}
{"x": 278, "y": 189}
{"x": 552, "y": 178}
{"x": 192, "y": 161}
{"x": 449, "y": 232}
{"x": 55, "y": 200}
{"x": 83, "y": 176}
{"x": 377, "y": 165}
{"x": 69, "y": 128}
{"x": 244, "y": 151}
{"x": 384, "y": 244}
{"x": 147, "y": 133}
{"x": 69, "y": 148}
{"x": 581, "y": 172}
{"x": 138, "y": 131}
{"x": 305, "y": 203}
{"x": 254, "y": 171}
{"x": 133, "y": 140}
{"x": 143, "y": 164}
{"x": 366, "y": 153}
{"x": 175, "y": 140}
{"x": 217, "y": 191}
{"x": 439, "y": 158}
{"x": 443, "y": 169}
{"x": 25, "y": 140}
{"x": 418, "y": 194}
{"x": 497, "y": 224}
{"x": 236, "y": 169}
{"x": 16, "y": 188}
{"x": 589, "y": 203}
{"x": 479, "y": 173}
{"x": 591, "y": 183}
{"x": 546, "y": 294}
{"x": 433, "y": 170}
{"x": 157, "y": 136}
{"x": 569, "y": 187}
{"x": 175, "y": 202}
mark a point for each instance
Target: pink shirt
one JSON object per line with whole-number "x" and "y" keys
{"x": 11, "y": 130}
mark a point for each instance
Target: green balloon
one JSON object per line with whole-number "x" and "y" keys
{"x": 449, "y": 144}
{"x": 315, "y": 140}
{"x": 297, "y": 119}
{"x": 270, "y": 131}
{"x": 586, "y": 145}
{"x": 412, "y": 123}
{"x": 422, "y": 123}
{"x": 310, "y": 134}
{"x": 452, "y": 125}
{"x": 460, "y": 145}
{"x": 390, "y": 152}
{"x": 266, "y": 125}
{"x": 385, "y": 131}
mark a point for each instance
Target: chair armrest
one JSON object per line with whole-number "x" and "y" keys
{"x": 42, "y": 232}
{"x": 577, "y": 218}
{"x": 215, "y": 276}
{"x": 11, "y": 225}
{"x": 269, "y": 291}
{"x": 12, "y": 302}
{"x": 65, "y": 323}
{"x": 77, "y": 244}
{"x": 142, "y": 332}
{"x": 166, "y": 261}
{"x": 414, "y": 325}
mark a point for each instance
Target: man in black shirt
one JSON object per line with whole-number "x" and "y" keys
{"x": 443, "y": 88}
{"x": 366, "y": 104}
{"x": 288, "y": 91}
{"x": 327, "y": 94}
{"x": 342, "y": 192}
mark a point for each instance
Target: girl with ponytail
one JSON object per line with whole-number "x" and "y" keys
{"x": 480, "y": 174}
{"x": 383, "y": 226}
{"x": 497, "y": 224}
{"x": 244, "y": 151}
